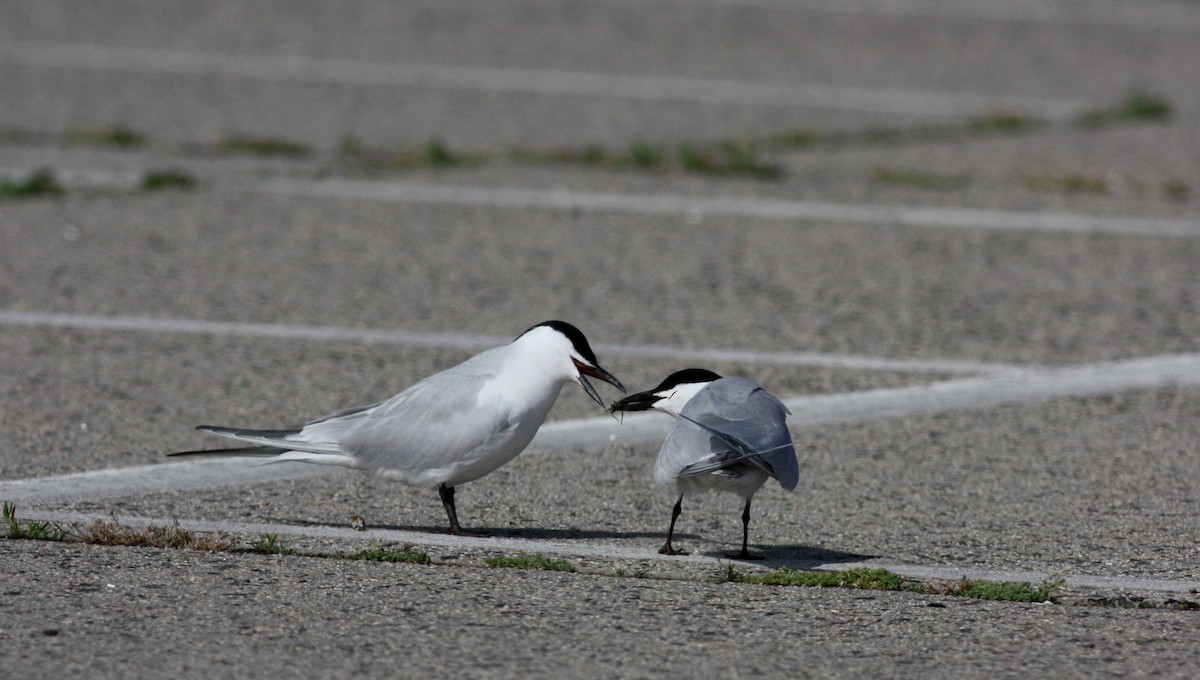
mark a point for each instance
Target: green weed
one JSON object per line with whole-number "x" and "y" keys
{"x": 377, "y": 553}
{"x": 528, "y": 562}
{"x": 270, "y": 545}
{"x": 1002, "y": 122}
{"x": 39, "y": 183}
{"x": 858, "y": 577}
{"x": 155, "y": 180}
{"x": 37, "y": 531}
{"x": 1006, "y": 590}
{"x": 1176, "y": 189}
{"x": 1138, "y": 106}
{"x": 116, "y": 136}
{"x": 645, "y": 156}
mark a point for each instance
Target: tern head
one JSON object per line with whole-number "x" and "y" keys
{"x": 671, "y": 394}
{"x": 583, "y": 362}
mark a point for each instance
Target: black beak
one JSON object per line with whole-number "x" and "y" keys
{"x": 586, "y": 369}
{"x": 642, "y": 401}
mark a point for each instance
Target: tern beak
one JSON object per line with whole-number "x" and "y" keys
{"x": 586, "y": 369}
{"x": 642, "y": 401}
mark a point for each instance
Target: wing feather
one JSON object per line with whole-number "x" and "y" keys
{"x": 731, "y": 421}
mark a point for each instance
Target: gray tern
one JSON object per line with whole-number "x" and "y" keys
{"x": 730, "y": 435}
{"x": 450, "y": 428}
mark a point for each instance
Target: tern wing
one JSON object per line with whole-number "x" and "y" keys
{"x": 732, "y": 420}
{"x": 442, "y": 421}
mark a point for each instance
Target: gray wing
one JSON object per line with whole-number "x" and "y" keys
{"x": 731, "y": 420}
{"x": 435, "y": 423}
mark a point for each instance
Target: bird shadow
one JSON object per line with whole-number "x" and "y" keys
{"x": 797, "y": 557}
{"x": 496, "y": 532}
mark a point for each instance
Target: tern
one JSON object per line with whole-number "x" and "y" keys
{"x": 448, "y": 429}
{"x": 730, "y": 434}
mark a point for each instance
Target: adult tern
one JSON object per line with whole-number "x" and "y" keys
{"x": 730, "y": 434}
{"x": 450, "y": 428}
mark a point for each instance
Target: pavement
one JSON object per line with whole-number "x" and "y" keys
{"x": 988, "y": 339}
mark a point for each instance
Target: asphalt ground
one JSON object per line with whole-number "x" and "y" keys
{"x": 119, "y": 313}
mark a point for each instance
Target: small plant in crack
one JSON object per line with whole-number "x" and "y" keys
{"x": 270, "y": 545}
{"x": 537, "y": 562}
{"x": 35, "y": 530}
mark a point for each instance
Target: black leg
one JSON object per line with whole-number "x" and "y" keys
{"x": 447, "y": 494}
{"x": 667, "y": 549}
{"x": 745, "y": 553}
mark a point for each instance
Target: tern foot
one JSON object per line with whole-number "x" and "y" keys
{"x": 459, "y": 531}
{"x": 745, "y": 555}
{"x": 668, "y": 550}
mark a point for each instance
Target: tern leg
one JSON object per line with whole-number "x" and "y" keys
{"x": 745, "y": 554}
{"x": 447, "y": 494}
{"x": 667, "y": 549}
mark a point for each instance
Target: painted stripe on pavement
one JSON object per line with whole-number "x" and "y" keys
{"x": 530, "y": 81}
{"x": 697, "y": 206}
{"x": 638, "y": 428}
{"x": 478, "y": 342}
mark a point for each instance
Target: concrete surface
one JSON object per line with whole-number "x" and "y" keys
{"x": 992, "y": 439}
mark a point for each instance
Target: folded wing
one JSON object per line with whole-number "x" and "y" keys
{"x": 731, "y": 421}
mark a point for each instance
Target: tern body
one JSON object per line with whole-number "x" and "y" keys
{"x": 730, "y": 435}
{"x": 448, "y": 429}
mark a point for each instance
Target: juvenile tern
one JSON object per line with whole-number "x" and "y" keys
{"x": 450, "y": 428}
{"x": 730, "y": 434}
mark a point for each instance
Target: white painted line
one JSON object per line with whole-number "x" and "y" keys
{"x": 477, "y": 342}
{"x": 527, "y": 81}
{"x": 1031, "y": 385}
{"x": 691, "y": 207}
{"x": 699, "y": 206}
{"x": 595, "y": 550}
{"x": 1175, "y": 16}
{"x": 141, "y": 480}
{"x": 1025, "y": 386}
{"x": 639, "y": 428}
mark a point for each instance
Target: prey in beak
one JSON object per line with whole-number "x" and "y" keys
{"x": 586, "y": 369}
{"x": 642, "y": 401}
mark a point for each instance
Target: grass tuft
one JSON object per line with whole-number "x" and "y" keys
{"x": 155, "y": 180}
{"x": 858, "y": 577}
{"x": 881, "y": 579}
{"x": 722, "y": 158}
{"x": 270, "y": 545}
{"x": 645, "y": 156}
{"x": 375, "y": 552}
{"x": 117, "y": 136}
{"x": 36, "y": 531}
{"x": 1138, "y": 106}
{"x": 434, "y": 154}
{"x": 540, "y": 562}
{"x": 111, "y": 532}
{"x": 1002, "y": 122}
{"x": 39, "y": 183}
{"x": 1142, "y": 106}
{"x": 1006, "y": 590}
{"x": 1176, "y": 189}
